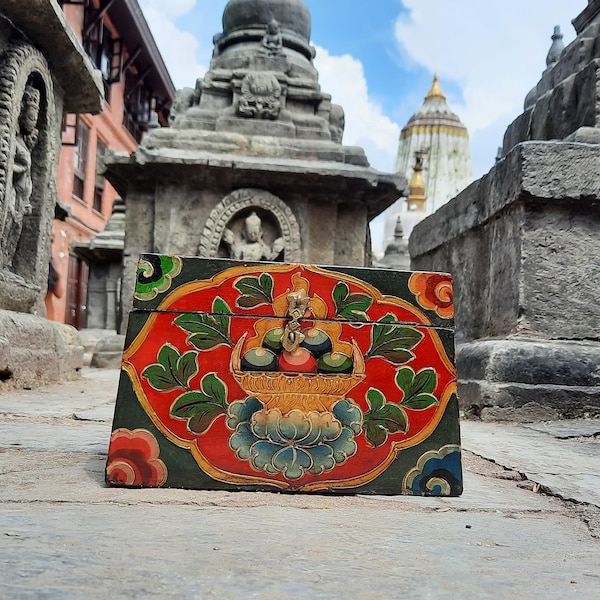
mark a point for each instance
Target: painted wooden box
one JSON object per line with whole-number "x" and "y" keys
{"x": 258, "y": 376}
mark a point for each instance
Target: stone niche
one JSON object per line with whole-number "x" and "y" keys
{"x": 254, "y": 144}
{"x": 43, "y": 72}
{"x": 523, "y": 244}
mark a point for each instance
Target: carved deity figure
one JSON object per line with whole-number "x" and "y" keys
{"x": 251, "y": 246}
{"x": 18, "y": 195}
{"x": 260, "y": 96}
{"x": 272, "y": 41}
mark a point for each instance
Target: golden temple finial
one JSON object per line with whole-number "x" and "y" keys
{"x": 436, "y": 90}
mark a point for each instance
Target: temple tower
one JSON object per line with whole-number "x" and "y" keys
{"x": 447, "y": 169}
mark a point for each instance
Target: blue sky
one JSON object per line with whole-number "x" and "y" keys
{"x": 377, "y": 59}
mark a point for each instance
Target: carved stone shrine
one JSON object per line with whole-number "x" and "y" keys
{"x": 43, "y": 72}
{"x": 253, "y": 166}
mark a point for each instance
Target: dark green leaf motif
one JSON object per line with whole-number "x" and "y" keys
{"x": 352, "y": 307}
{"x": 393, "y": 342}
{"x": 382, "y": 419}
{"x": 201, "y": 408}
{"x": 254, "y": 291}
{"x": 207, "y": 330}
{"x": 418, "y": 388}
{"x": 173, "y": 370}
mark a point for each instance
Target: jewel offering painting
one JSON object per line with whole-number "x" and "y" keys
{"x": 287, "y": 377}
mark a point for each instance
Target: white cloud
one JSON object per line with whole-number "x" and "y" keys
{"x": 366, "y": 124}
{"x": 171, "y": 9}
{"x": 494, "y": 51}
{"x": 178, "y": 48}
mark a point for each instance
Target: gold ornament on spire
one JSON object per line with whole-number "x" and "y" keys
{"x": 436, "y": 90}
{"x": 417, "y": 199}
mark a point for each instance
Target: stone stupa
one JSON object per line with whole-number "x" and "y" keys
{"x": 255, "y": 135}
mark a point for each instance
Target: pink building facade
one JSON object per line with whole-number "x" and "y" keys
{"x": 137, "y": 88}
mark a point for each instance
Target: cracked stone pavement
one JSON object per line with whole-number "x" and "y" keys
{"x": 527, "y": 526}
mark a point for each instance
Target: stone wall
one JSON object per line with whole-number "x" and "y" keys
{"x": 322, "y": 211}
{"x": 523, "y": 244}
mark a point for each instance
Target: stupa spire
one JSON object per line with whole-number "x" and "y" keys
{"x": 436, "y": 90}
{"x": 557, "y": 47}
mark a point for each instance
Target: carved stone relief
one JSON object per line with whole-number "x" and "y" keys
{"x": 251, "y": 224}
{"x": 18, "y": 192}
{"x": 260, "y": 96}
{"x": 27, "y": 123}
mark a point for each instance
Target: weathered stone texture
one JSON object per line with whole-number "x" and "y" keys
{"x": 108, "y": 352}
{"x": 258, "y": 120}
{"x": 521, "y": 243}
{"x": 34, "y": 351}
{"x": 44, "y": 23}
{"x": 43, "y": 71}
{"x": 170, "y": 200}
{"x": 560, "y": 272}
{"x": 566, "y": 101}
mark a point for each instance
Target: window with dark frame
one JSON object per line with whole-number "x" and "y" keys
{"x": 99, "y": 46}
{"x": 139, "y": 103}
{"x": 80, "y": 156}
{"x": 101, "y": 148}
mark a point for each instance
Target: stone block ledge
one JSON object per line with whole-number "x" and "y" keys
{"x": 520, "y": 379}
{"x": 51, "y": 33}
{"x": 147, "y": 168}
{"x": 553, "y": 172}
{"x": 35, "y": 351}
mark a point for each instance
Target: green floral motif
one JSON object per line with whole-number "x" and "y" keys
{"x": 352, "y": 307}
{"x": 173, "y": 370}
{"x": 202, "y": 407}
{"x": 392, "y": 341}
{"x": 155, "y": 275}
{"x": 386, "y": 418}
{"x": 254, "y": 291}
{"x": 417, "y": 388}
{"x": 383, "y": 418}
{"x": 207, "y": 331}
{"x": 296, "y": 443}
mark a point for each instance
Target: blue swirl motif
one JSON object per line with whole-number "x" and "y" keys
{"x": 295, "y": 443}
{"x": 438, "y": 473}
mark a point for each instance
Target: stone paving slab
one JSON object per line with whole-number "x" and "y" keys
{"x": 573, "y": 428}
{"x": 81, "y": 551}
{"x": 569, "y": 469}
{"x": 65, "y": 535}
{"x": 96, "y": 389}
{"x": 103, "y": 414}
{"x": 79, "y": 478}
{"x": 69, "y": 436}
